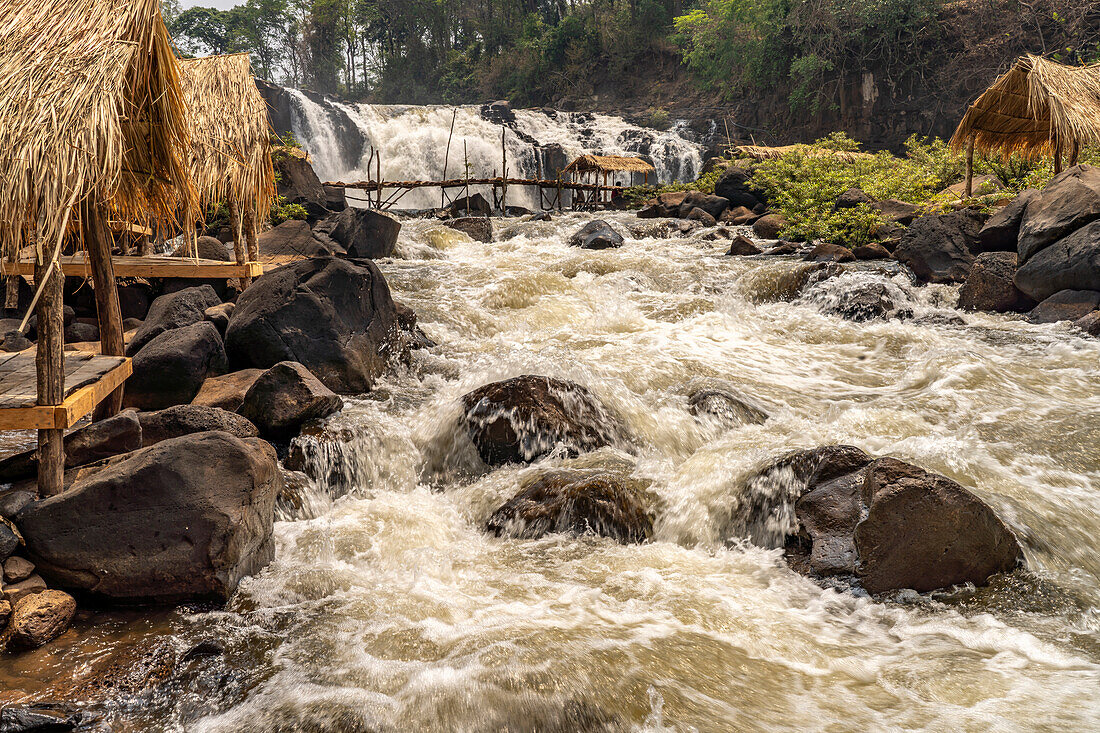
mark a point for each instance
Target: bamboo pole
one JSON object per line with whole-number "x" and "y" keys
{"x": 97, "y": 244}
{"x": 50, "y": 369}
{"x": 447, "y": 158}
{"x": 504, "y": 171}
{"x": 970, "y": 167}
{"x": 378, "y": 168}
{"x": 466, "y": 167}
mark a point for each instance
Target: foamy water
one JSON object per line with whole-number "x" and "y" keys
{"x": 388, "y": 608}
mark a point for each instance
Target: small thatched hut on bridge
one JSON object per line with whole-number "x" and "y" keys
{"x": 230, "y": 160}
{"x": 92, "y": 120}
{"x": 1036, "y": 108}
{"x": 608, "y": 165}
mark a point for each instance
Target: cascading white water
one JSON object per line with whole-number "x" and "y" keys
{"x": 413, "y": 140}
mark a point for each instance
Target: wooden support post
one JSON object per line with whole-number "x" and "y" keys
{"x": 447, "y": 158}
{"x": 50, "y": 369}
{"x": 504, "y": 171}
{"x": 970, "y": 167}
{"x": 236, "y": 225}
{"x": 1075, "y": 151}
{"x": 97, "y": 244}
{"x": 1058, "y": 158}
{"x": 466, "y": 167}
{"x": 251, "y": 233}
{"x": 378, "y": 168}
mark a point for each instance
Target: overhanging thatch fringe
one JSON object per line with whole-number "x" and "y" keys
{"x": 609, "y": 164}
{"x": 90, "y": 106}
{"x": 1035, "y": 108}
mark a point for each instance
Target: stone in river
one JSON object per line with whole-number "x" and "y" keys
{"x": 597, "y": 234}
{"x": 39, "y": 619}
{"x": 285, "y": 397}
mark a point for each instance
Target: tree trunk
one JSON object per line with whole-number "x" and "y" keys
{"x": 50, "y": 369}
{"x": 97, "y": 244}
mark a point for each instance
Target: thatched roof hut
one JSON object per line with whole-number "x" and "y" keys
{"x": 230, "y": 158}
{"x": 1037, "y": 108}
{"x": 609, "y": 164}
{"x": 90, "y": 110}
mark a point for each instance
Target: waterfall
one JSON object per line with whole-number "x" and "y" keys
{"x": 413, "y": 144}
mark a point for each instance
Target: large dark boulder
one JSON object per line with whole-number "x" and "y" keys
{"x": 829, "y": 252}
{"x": 295, "y": 239}
{"x": 285, "y": 397}
{"x": 735, "y": 185}
{"x": 1066, "y": 305}
{"x": 525, "y": 418}
{"x": 299, "y": 184}
{"x": 713, "y": 205}
{"x": 208, "y": 248}
{"x": 180, "y": 420}
{"x": 742, "y": 245}
{"x": 865, "y": 300}
{"x": 1071, "y": 263}
{"x": 577, "y": 503}
{"x": 473, "y": 205}
{"x": 477, "y": 228}
{"x": 1070, "y": 201}
{"x": 940, "y": 249}
{"x": 334, "y": 316}
{"x": 91, "y": 443}
{"x": 363, "y": 232}
{"x": 184, "y": 519}
{"x": 597, "y": 234}
{"x": 1002, "y": 232}
{"x": 175, "y": 310}
{"x": 852, "y": 198}
{"x": 889, "y": 523}
{"x": 989, "y": 286}
{"x": 170, "y": 369}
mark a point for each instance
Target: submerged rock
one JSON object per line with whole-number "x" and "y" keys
{"x": 597, "y": 234}
{"x": 888, "y": 523}
{"x": 525, "y": 418}
{"x": 725, "y": 407}
{"x": 206, "y": 525}
{"x": 865, "y": 301}
{"x": 575, "y": 502}
{"x": 477, "y": 228}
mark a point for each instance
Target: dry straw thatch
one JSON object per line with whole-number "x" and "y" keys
{"x": 230, "y": 156}
{"x": 1036, "y": 108}
{"x": 90, "y": 107}
{"x": 609, "y": 164}
{"x": 763, "y": 152}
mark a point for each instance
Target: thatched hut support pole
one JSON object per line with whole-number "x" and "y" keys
{"x": 251, "y": 234}
{"x": 237, "y": 227}
{"x": 970, "y": 167}
{"x": 50, "y": 368}
{"x": 1058, "y": 158}
{"x": 1075, "y": 152}
{"x": 97, "y": 243}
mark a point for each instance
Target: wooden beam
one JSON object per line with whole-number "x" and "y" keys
{"x": 50, "y": 373}
{"x": 75, "y": 407}
{"x": 98, "y": 247}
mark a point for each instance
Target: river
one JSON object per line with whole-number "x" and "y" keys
{"x": 389, "y": 608}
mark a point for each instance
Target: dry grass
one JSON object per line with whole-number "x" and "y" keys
{"x": 90, "y": 107}
{"x": 230, "y": 156}
{"x": 1036, "y": 108}
{"x": 608, "y": 164}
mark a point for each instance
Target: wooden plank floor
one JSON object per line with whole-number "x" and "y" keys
{"x": 89, "y": 378}
{"x": 152, "y": 266}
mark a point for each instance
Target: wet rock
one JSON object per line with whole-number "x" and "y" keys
{"x": 715, "y": 235}
{"x": 575, "y": 502}
{"x": 474, "y": 205}
{"x": 298, "y": 183}
{"x": 1070, "y": 201}
{"x": 285, "y": 397}
{"x": 477, "y": 228}
{"x": 890, "y": 523}
{"x": 39, "y": 619}
{"x": 170, "y": 369}
{"x": 15, "y": 592}
{"x": 769, "y": 227}
{"x": 91, "y": 443}
{"x": 1001, "y": 233}
{"x": 865, "y": 301}
{"x": 207, "y": 524}
{"x": 176, "y": 310}
{"x": 702, "y": 217}
{"x": 208, "y": 248}
{"x": 364, "y": 232}
{"x": 852, "y": 198}
{"x": 735, "y": 185}
{"x": 1071, "y": 263}
{"x": 415, "y": 337}
{"x": 872, "y": 251}
{"x": 924, "y": 531}
{"x": 783, "y": 248}
{"x": 226, "y": 391}
{"x": 181, "y": 420}
{"x": 219, "y": 315}
{"x": 334, "y": 316}
{"x": 16, "y": 569}
{"x": 597, "y": 234}
{"x": 1090, "y": 324}
{"x": 739, "y": 216}
{"x": 713, "y": 206}
{"x": 1066, "y": 305}
{"x": 990, "y": 286}
{"x": 48, "y": 718}
{"x": 940, "y": 249}
{"x": 77, "y": 332}
{"x": 725, "y": 407}
{"x": 9, "y": 539}
{"x": 742, "y": 245}
{"x": 828, "y": 252}
{"x": 498, "y": 113}
{"x": 522, "y": 419}
{"x": 294, "y": 238}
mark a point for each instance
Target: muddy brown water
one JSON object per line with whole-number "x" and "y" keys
{"x": 388, "y": 608}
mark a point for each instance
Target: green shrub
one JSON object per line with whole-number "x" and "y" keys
{"x": 657, "y": 119}
{"x": 282, "y": 211}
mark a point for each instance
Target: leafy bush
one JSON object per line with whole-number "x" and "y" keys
{"x": 282, "y": 211}
{"x": 657, "y": 119}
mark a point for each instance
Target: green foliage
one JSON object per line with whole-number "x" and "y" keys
{"x": 657, "y": 119}
{"x": 282, "y": 211}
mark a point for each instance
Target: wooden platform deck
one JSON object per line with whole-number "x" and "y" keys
{"x": 89, "y": 379}
{"x": 153, "y": 266}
